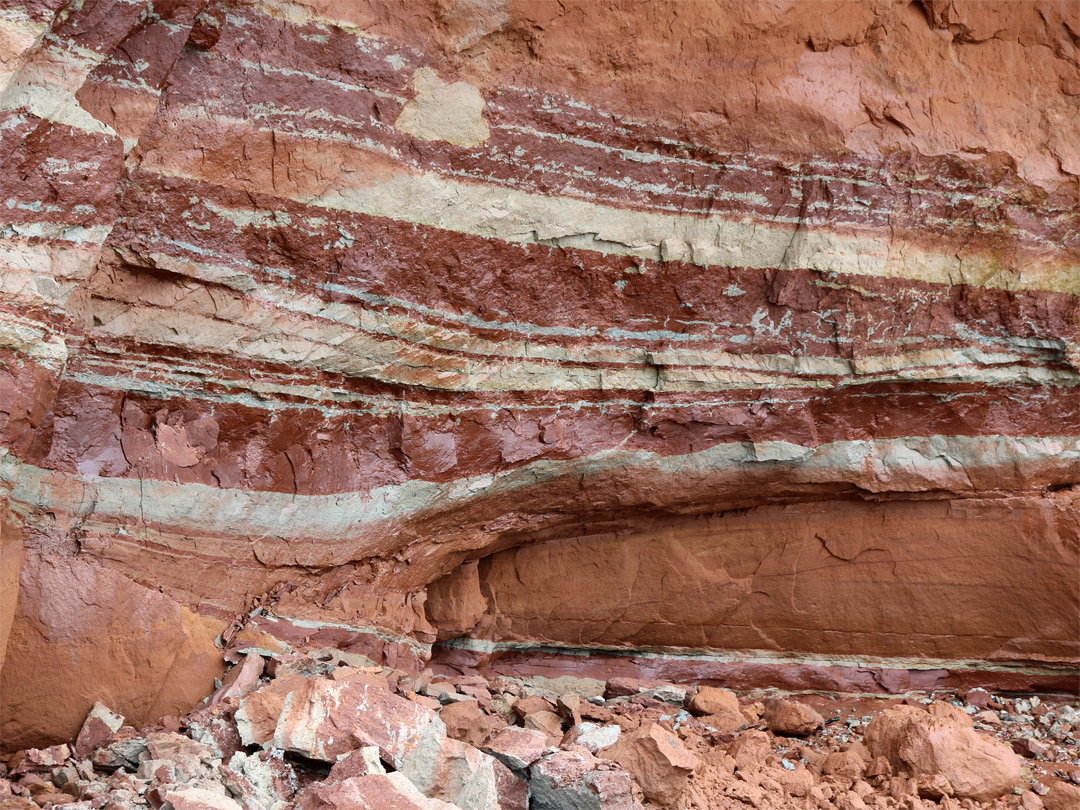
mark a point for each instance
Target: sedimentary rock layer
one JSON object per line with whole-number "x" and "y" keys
{"x": 760, "y": 335}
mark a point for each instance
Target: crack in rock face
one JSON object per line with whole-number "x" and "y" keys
{"x": 716, "y": 344}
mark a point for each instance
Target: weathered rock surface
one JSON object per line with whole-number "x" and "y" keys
{"x": 657, "y": 760}
{"x": 323, "y": 719}
{"x": 517, "y": 748}
{"x": 710, "y": 700}
{"x": 662, "y": 757}
{"x": 132, "y": 648}
{"x": 791, "y": 718}
{"x": 375, "y": 792}
{"x": 747, "y": 330}
{"x": 577, "y": 779}
{"x": 917, "y": 743}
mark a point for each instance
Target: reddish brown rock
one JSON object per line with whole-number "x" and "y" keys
{"x": 372, "y": 676}
{"x": 517, "y": 748}
{"x": 214, "y": 724}
{"x": 523, "y": 707}
{"x": 40, "y": 759}
{"x": 257, "y": 716}
{"x": 569, "y": 708}
{"x": 361, "y": 762}
{"x": 79, "y": 648}
{"x": 241, "y": 679}
{"x": 295, "y": 320}
{"x": 100, "y": 724}
{"x": 374, "y": 792}
{"x": 125, "y": 749}
{"x": 626, "y": 687}
{"x": 791, "y": 718}
{"x": 845, "y": 765}
{"x": 186, "y": 797}
{"x": 465, "y": 721}
{"x": 750, "y": 749}
{"x": 918, "y": 744}
{"x": 1062, "y": 796}
{"x": 711, "y": 700}
{"x": 657, "y": 760}
{"x": 577, "y": 779}
{"x": 191, "y": 759}
{"x": 591, "y": 736}
{"x": 1028, "y": 748}
{"x": 547, "y": 722}
{"x": 322, "y": 719}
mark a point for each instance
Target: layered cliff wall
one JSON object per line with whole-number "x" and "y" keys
{"x": 735, "y": 337}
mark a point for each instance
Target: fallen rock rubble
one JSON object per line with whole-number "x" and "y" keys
{"x": 317, "y": 732}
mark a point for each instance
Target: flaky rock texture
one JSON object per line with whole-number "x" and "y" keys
{"x": 739, "y": 337}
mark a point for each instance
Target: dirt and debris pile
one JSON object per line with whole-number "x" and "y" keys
{"x": 330, "y": 731}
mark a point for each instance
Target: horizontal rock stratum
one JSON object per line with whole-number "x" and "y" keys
{"x": 724, "y": 339}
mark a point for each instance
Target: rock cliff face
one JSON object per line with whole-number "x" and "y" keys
{"x": 741, "y": 338}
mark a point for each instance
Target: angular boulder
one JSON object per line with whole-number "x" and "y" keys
{"x": 657, "y": 760}
{"x": 467, "y": 722}
{"x": 791, "y": 719}
{"x": 593, "y": 736}
{"x": 712, "y": 700}
{"x": 917, "y": 743}
{"x": 373, "y": 792}
{"x": 517, "y": 748}
{"x": 100, "y": 724}
{"x": 453, "y": 771}
{"x": 578, "y": 780}
{"x": 323, "y": 719}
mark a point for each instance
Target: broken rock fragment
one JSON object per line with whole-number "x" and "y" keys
{"x": 718, "y": 708}
{"x": 657, "y": 760}
{"x": 750, "y": 749}
{"x": 191, "y": 760}
{"x": 241, "y": 679}
{"x": 322, "y": 719}
{"x": 123, "y": 750}
{"x": 844, "y": 765}
{"x": 100, "y": 724}
{"x": 531, "y": 705}
{"x": 592, "y": 736}
{"x": 448, "y": 769}
{"x": 467, "y": 722}
{"x": 373, "y": 792}
{"x": 915, "y": 743}
{"x": 1062, "y": 796}
{"x": 547, "y": 722}
{"x": 38, "y": 759}
{"x": 576, "y": 779}
{"x": 711, "y": 700}
{"x": 790, "y": 718}
{"x": 264, "y": 779}
{"x": 517, "y": 748}
{"x": 185, "y": 797}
